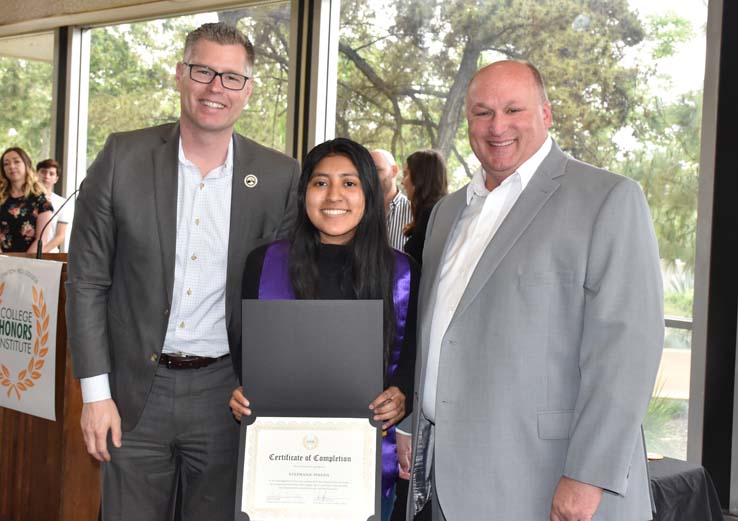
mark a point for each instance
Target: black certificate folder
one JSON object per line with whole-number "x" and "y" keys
{"x": 310, "y": 370}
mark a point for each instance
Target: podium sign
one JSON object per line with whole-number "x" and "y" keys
{"x": 29, "y": 296}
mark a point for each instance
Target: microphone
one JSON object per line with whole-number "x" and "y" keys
{"x": 40, "y": 245}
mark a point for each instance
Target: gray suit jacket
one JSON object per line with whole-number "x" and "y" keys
{"x": 549, "y": 361}
{"x": 121, "y": 256}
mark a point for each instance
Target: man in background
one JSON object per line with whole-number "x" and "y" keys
{"x": 541, "y": 326}
{"x": 48, "y": 172}
{"x": 163, "y": 225}
{"x": 396, "y": 205}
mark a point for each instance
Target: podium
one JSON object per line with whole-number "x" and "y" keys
{"x": 45, "y": 471}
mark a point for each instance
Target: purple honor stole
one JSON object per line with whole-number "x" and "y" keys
{"x": 275, "y": 284}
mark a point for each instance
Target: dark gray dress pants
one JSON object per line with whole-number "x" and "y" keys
{"x": 186, "y": 435}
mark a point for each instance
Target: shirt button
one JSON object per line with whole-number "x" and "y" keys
{"x": 194, "y": 257}
{"x": 182, "y": 325}
{"x": 197, "y": 222}
{"x": 189, "y": 292}
{"x": 202, "y": 185}
{"x": 154, "y": 357}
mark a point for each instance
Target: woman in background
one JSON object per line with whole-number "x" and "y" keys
{"x": 24, "y": 209}
{"x": 339, "y": 250}
{"x": 425, "y": 183}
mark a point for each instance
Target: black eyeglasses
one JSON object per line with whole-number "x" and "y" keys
{"x": 204, "y": 74}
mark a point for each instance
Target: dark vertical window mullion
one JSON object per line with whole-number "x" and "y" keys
{"x": 60, "y": 97}
{"x": 723, "y": 298}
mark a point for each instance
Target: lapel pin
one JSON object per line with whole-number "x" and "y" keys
{"x": 250, "y": 181}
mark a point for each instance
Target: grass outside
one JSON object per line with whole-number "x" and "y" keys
{"x": 665, "y": 427}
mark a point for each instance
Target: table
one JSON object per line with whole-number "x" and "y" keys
{"x": 683, "y": 491}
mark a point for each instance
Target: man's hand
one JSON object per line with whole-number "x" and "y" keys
{"x": 389, "y": 407}
{"x": 574, "y": 500}
{"x": 97, "y": 419}
{"x": 404, "y": 452}
{"x": 239, "y": 404}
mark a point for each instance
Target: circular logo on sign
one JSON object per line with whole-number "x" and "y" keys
{"x": 250, "y": 181}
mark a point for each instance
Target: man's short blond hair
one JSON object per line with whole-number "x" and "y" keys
{"x": 222, "y": 34}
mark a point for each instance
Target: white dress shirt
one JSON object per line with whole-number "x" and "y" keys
{"x": 479, "y": 221}
{"x": 197, "y": 320}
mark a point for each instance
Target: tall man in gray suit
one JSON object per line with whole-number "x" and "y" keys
{"x": 163, "y": 225}
{"x": 541, "y": 326}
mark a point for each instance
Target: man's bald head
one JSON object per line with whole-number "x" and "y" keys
{"x": 508, "y": 116}
{"x": 387, "y": 170}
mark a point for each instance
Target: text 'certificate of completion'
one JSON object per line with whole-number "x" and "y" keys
{"x": 306, "y": 469}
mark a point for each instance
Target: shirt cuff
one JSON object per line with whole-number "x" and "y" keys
{"x": 95, "y": 388}
{"x": 400, "y": 431}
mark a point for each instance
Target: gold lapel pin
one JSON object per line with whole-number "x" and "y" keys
{"x": 250, "y": 181}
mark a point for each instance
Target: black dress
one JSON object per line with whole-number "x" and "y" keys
{"x": 416, "y": 240}
{"x": 335, "y": 283}
{"x": 18, "y": 217}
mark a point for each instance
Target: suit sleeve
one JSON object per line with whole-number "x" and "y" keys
{"x": 621, "y": 342}
{"x": 90, "y": 267}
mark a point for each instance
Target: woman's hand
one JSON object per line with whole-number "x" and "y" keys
{"x": 239, "y": 404}
{"x": 389, "y": 407}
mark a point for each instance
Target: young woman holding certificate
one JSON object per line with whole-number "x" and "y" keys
{"x": 339, "y": 250}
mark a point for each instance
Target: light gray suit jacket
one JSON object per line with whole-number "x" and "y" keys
{"x": 549, "y": 361}
{"x": 121, "y": 255}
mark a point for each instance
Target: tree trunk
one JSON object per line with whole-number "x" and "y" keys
{"x": 453, "y": 108}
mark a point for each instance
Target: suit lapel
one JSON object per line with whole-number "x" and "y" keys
{"x": 434, "y": 251}
{"x": 540, "y": 188}
{"x": 435, "y": 248}
{"x": 241, "y": 202}
{"x": 165, "y": 165}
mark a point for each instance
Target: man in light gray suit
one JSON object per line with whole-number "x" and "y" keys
{"x": 163, "y": 225}
{"x": 541, "y": 327}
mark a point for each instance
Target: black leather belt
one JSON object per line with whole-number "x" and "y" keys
{"x": 187, "y": 362}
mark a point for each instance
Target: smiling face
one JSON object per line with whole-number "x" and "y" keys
{"x": 508, "y": 118}
{"x": 334, "y": 200}
{"x": 211, "y": 108}
{"x": 14, "y": 169}
{"x": 48, "y": 177}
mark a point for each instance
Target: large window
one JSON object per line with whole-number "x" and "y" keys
{"x": 625, "y": 84}
{"x": 624, "y": 78}
{"x": 26, "y": 91}
{"x": 131, "y": 81}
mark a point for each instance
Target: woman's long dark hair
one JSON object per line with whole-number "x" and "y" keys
{"x": 427, "y": 171}
{"x": 372, "y": 259}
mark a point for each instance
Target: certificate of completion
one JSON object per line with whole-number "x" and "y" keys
{"x": 306, "y": 469}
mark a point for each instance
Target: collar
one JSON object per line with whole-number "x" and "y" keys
{"x": 396, "y": 199}
{"x": 224, "y": 170}
{"x": 476, "y": 186}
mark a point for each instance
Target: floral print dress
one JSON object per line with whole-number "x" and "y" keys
{"x": 18, "y": 221}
